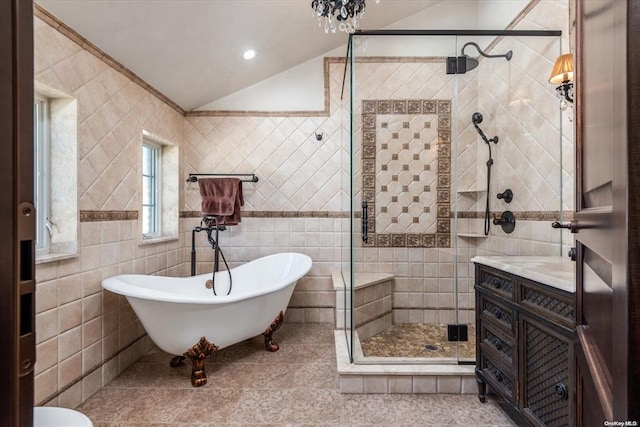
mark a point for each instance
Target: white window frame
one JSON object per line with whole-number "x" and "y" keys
{"x": 55, "y": 145}
{"x": 155, "y": 196}
{"x": 41, "y": 173}
{"x": 166, "y": 190}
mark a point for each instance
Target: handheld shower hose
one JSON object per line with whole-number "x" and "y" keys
{"x": 476, "y": 119}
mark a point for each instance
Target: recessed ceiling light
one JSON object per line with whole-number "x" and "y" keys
{"x": 249, "y": 54}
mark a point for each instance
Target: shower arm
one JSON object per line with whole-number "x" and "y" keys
{"x": 486, "y": 55}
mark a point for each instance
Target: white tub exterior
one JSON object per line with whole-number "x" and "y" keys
{"x": 177, "y": 312}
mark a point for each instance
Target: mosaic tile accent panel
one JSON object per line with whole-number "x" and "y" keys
{"x": 406, "y": 172}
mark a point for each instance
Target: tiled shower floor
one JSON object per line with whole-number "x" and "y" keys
{"x": 296, "y": 386}
{"x": 411, "y": 340}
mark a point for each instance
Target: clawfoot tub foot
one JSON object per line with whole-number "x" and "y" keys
{"x": 176, "y": 361}
{"x": 269, "y": 343}
{"x": 197, "y": 354}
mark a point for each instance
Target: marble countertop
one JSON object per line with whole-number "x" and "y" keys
{"x": 554, "y": 271}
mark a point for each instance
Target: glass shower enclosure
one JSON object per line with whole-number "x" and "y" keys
{"x": 437, "y": 125}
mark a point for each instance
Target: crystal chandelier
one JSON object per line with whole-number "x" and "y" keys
{"x": 338, "y": 14}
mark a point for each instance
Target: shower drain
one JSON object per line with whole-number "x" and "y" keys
{"x": 431, "y": 347}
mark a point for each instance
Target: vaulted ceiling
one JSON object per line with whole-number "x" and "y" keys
{"x": 190, "y": 50}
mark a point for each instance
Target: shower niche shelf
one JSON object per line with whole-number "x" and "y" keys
{"x": 471, "y": 190}
{"x": 472, "y": 235}
{"x": 473, "y": 193}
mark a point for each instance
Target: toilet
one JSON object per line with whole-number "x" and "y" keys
{"x": 45, "y": 416}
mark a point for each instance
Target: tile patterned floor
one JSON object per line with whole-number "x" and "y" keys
{"x": 409, "y": 340}
{"x": 296, "y": 386}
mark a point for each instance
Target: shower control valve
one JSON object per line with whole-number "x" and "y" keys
{"x": 507, "y": 221}
{"x": 507, "y": 195}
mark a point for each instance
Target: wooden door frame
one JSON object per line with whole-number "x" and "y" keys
{"x": 633, "y": 211}
{"x": 17, "y": 270}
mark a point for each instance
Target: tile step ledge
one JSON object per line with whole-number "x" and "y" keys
{"x": 362, "y": 280}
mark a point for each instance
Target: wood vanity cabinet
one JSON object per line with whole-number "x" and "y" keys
{"x": 524, "y": 333}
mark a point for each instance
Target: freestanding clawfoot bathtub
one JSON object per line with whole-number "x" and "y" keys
{"x": 184, "y": 317}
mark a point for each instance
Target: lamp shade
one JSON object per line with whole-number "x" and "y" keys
{"x": 562, "y": 69}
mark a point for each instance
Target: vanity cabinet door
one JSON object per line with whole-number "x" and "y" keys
{"x": 546, "y": 387}
{"x": 495, "y": 281}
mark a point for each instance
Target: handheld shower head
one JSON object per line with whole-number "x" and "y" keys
{"x": 476, "y": 119}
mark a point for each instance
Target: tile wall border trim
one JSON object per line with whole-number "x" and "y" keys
{"x": 520, "y": 215}
{"x": 103, "y": 216}
{"x": 278, "y": 214}
{"x": 252, "y": 113}
{"x": 99, "y": 216}
{"x": 328, "y": 60}
{"x": 57, "y": 394}
{"x": 523, "y": 13}
{"x": 50, "y": 19}
{"x": 514, "y": 22}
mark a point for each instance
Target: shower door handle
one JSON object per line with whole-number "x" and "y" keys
{"x": 572, "y": 226}
{"x": 365, "y": 221}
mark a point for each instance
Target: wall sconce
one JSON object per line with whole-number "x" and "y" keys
{"x": 562, "y": 74}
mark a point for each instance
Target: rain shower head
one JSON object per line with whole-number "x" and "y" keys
{"x": 464, "y": 63}
{"x": 471, "y": 63}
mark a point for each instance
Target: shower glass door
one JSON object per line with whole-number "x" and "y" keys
{"x": 418, "y": 160}
{"x": 403, "y": 117}
{"x": 343, "y": 283}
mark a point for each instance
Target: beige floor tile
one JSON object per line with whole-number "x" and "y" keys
{"x": 247, "y": 386}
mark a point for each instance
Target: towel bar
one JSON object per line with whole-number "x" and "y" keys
{"x": 193, "y": 177}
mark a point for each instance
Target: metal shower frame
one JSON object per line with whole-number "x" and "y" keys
{"x": 349, "y": 326}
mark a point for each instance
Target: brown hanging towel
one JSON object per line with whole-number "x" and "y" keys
{"x": 222, "y": 198}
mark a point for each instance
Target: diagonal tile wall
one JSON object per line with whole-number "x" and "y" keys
{"x": 296, "y": 171}
{"x": 534, "y": 156}
{"x": 86, "y": 336}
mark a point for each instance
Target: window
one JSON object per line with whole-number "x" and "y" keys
{"x": 41, "y": 177}
{"x": 151, "y": 196}
{"x": 159, "y": 217}
{"x": 55, "y": 169}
